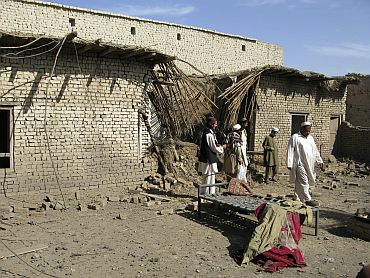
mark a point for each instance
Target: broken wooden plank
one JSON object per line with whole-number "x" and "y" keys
{"x": 17, "y": 239}
{"x": 166, "y": 83}
{"x": 3, "y": 222}
{"x": 156, "y": 196}
{"x": 21, "y": 251}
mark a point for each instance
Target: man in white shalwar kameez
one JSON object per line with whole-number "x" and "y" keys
{"x": 209, "y": 149}
{"x": 243, "y": 133}
{"x": 302, "y": 157}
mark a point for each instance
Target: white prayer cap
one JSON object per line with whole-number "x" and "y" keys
{"x": 237, "y": 127}
{"x": 306, "y": 124}
{"x": 274, "y": 129}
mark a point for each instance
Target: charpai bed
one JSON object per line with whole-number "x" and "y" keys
{"x": 243, "y": 204}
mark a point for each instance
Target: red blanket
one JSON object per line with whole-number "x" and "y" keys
{"x": 282, "y": 256}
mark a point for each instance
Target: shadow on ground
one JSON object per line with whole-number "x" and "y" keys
{"x": 236, "y": 228}
{"x": 336, "y": 222}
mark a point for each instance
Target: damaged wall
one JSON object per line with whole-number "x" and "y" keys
{"x": 96, "y": 138}
{"x": 210, "y": 51}
{"x": 279, "y": 98}
{"x": 358, "y": 102}
{"x": 355, "y": 142}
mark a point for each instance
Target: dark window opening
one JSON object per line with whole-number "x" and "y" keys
{"x": 133, "y": 31}
{"x": 72, "y": 22}
{"x": 4, "y": 162}
{"x": 178, "y": 36}
{"x": 4, "y": 131}
{"x": 297, "y": 119}
{"x": 243, "y": 47}
{"x": 5, "y": 138}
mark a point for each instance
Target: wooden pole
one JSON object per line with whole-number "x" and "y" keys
{"x": 147, "y": 125}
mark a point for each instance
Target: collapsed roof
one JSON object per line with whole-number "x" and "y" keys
{"x": 13, "y": 40}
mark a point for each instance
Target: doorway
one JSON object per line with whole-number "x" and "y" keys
{"x": 333, "y": 131}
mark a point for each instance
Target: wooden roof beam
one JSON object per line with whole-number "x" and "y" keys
{"x": 146, "y": 56}
{"x": 162, "y": 59}
{"x": 107, "y": 51}
{"x": 133, "y": 53}
{"x": 88, "y": 47}
{"x": 161, "y": 82}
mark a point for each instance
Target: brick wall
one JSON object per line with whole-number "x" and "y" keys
{"x": 279, "y": 97}
{"x": 355, "y": 142}
{"x": 358, "y": 103}
{"x": 210, "y": 51}
{"x": 95, "y": 135}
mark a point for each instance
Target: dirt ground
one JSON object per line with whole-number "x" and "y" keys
{"x": 123, "y": 239}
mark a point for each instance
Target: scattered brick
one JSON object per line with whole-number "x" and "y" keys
{"x": 166, "y": 211}
{"x": 17, "y": 209}
{"x": 82, "y": 207}
{"x": 58, "y": 206}
{"x": 134, "y": 200}
{"x": 49, "y": 198}
{"x": 103, "y": 202}
{"x": 45, "y": 206}
{"x": 7, "y": 216}
{"x": 167, "y": 186}
{"x": 6, "y": 209}
{"x": 192, "y": 206}
{"x": 93, "y": 206}
{"x": 351, "y": 201}
{"x": 113, "y": 199}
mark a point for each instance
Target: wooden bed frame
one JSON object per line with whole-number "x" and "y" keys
{"x": 243, "y": 204}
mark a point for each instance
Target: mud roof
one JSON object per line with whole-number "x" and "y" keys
{"x": 96, "y": 47}
{"x": 285, "y": 72}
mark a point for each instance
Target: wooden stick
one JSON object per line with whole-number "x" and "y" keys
{"x": 18, "y": 239}
{"x": 25, "y": 250}
{"x": 156, "y": 196}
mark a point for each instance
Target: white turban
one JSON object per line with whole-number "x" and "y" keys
{"x": 237, "y": 127}
{"x": 274, "y": 129}
{"x": 306, "y": 124}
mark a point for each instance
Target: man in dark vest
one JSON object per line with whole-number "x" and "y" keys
{"x": 209, "y": 148}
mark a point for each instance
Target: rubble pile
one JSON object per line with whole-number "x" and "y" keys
{"x": 181, "y": 161}
{"x": 346, "y": 168}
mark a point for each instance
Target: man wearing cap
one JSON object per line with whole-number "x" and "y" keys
{"x": 209, "y": 149}
{"x": 271, "y": 155}
{"x": 233, "y": 153}
{"x": 243, "y": 133}
{"x": 301, "y": 159}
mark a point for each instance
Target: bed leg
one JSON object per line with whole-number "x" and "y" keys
{"x": 199, "y": 204}
{"x": 316, "y": 222}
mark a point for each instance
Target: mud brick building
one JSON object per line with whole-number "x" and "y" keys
{"x": 70, "y": 99}
{"x": 358, "y": 102}
{"x": 210, "y": 51}
{"x": 355, "y": 131}
{"x": 74, "y": 123}
{"x": 286, "y": 97}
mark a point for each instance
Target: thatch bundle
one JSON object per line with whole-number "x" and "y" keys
{"x": 239, "y": 93}
{"x": 180, "y": 101}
